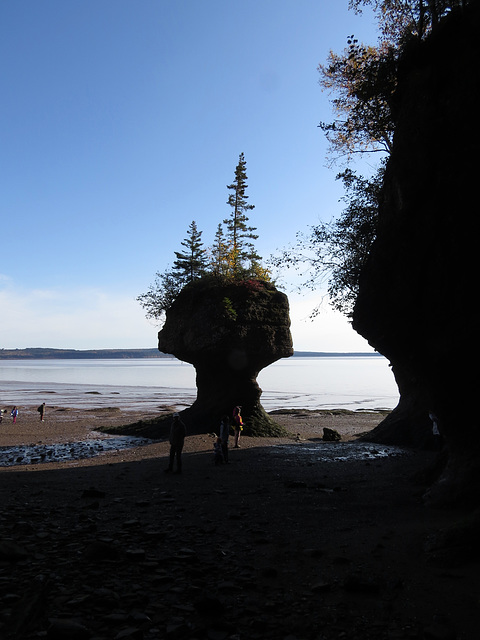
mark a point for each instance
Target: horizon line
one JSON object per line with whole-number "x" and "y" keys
{"x": 298, "y": 353}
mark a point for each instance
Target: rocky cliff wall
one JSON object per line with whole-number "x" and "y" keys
{"x": 417, "y": 300}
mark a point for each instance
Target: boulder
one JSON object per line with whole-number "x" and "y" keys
{"x": 331, "y": 435}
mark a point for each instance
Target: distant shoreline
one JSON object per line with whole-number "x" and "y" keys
{"x": 38, "y": 353}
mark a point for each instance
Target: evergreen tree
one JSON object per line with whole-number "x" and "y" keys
{"x": 192, "y": 263}
{"x": 239, "y": 235}
{"x": 189, "y": 265}
{"x": 219, "y": 261}
{"x": 231, "y": 256}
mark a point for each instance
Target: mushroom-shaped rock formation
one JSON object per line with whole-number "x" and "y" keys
{"x": 418, "y": 289}
{"x": 229, "y": 332}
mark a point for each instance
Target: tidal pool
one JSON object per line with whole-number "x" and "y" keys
{"x": 63, "y": 452}
{"x": 306, "y": 451}
{"x": 336, "y": 451}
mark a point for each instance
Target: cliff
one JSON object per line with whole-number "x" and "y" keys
{"x": 416, "y": 301}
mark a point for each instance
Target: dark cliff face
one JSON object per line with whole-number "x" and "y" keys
{"x": 229, "y": 332}
{"x": 417, "y": 293}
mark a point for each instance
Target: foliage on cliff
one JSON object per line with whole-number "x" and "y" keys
{"x": 336, "y": 251}
{"x": 426, "y": 246}
{"x": 362, "y": 80}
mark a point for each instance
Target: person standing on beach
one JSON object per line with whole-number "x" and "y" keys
{"x": 224, "y": 433}
{"x": 41, "y": 411}
{"x": 237, "y": 426}
{"x": 14, "y": 414}
{"x": 178, "y": 432}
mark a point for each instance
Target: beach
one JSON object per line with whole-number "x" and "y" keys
{"x": 70, "y": 425}
{"x": 292, "y": 540}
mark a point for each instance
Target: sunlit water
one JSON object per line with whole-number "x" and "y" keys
{"x": 356, "y": 383}
{"x": 353, "y": 382}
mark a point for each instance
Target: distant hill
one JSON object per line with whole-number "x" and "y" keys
{"x": 76, "y": 354}
{"x": 38, "y": 353}
{"x": 336, "y": 354}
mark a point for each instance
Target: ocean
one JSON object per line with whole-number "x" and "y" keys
{"x": 321, "y": 382}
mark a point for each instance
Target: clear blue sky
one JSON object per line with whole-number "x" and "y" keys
{"x": 121, "y": 121}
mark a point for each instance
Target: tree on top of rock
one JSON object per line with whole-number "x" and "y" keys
{"x": 242, "y": 255}
{"x": 219, "y": 260}
{"x": 191, "y": 264}
{"x": 231, "y": 257}
{"x": 188, "y": 266}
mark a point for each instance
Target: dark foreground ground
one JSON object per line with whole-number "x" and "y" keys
{"x": 280, "y": 543}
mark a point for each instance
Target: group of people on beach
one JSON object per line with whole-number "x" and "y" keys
{"x": 14, "y": 413}
{"x": 178, "y": 433}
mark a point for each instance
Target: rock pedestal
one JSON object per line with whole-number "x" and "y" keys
{"x": 229, "y": 332}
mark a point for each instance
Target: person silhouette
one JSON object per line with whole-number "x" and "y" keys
{"x": 41, "y": 411}
{"x": 237, "y": 426}
{"x": 178, "y": 432}
{"x": 224, "y": 433}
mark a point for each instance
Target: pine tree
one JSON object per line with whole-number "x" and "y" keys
{"x": 219, "y": 262}
{"x": 231, "y": 256}
{"x": 242, "y": 252}
{"x": 191, "y": 264}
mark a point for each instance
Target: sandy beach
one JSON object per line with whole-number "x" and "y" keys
{"x": 292, "y": 540}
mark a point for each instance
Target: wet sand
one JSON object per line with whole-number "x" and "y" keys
{"x": 280, "y": 543}
{"x": 66, "y": 425}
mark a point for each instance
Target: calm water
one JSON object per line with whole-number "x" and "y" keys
{"x": 322, "y": 382}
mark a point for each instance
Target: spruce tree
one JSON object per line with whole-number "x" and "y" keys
{"x": 219, "y": 262}
{"x": 189, "y": 265}
{"x": 242, "y": 251}
{"x": 192, "y": 263}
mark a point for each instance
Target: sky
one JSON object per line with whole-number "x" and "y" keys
{"x": 121, "y": 121}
